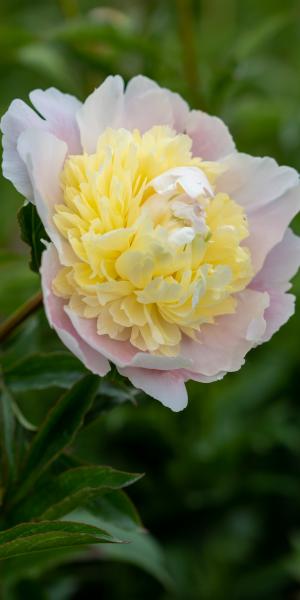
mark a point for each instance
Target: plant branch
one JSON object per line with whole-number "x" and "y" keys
{"x": 27, "y": 309}
{"x": 189, "y": 52}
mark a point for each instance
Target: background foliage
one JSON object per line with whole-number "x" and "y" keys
{"x": 222, "y": 485}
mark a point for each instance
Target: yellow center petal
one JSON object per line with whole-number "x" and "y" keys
{"x": 157, "y": 252}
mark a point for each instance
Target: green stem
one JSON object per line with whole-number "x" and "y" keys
{"x": 20, "y": 315}
{"x": 187, "y": 38}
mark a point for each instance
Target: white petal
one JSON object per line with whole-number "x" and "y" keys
{"x": 211, "y": 137}
{"x": 268, "y": 224}
{"x": 139, "y": 85}
{"x": 163, "y": 363}
{"x": 122, "y": 354}
{"x": 281, "y": 264}
{"x": 18, "y": 118}
{"x": 182, "y": 236}
{"x": 102, "y": 109}
{"x": 59, "y": 110}
{"x": 44, "y": 156}
{"x": 254, "y": 182}
{"x": 191, "y": 179}
{"x": 58, "y": 319}
{"x": 147, "y": 105}
{"x": 222, "y": 346}
{"x": 167, "y": 387}
{"x": 282, "y": 307}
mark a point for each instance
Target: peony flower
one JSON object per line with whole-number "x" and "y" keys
{"x": 170, "y": 252}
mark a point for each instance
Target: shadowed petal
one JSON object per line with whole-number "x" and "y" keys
{"x": 166, "y": 386}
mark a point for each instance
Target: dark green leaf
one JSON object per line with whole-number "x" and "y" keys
{"x": 18, "y": 283}
{"x": 86, "y": 30}
{"x": 58, "y": 431}
{"x": 47, "y": 59}
{"x": 69, "y": 490}
{"x": 142, "y": 551}
{"x": 21, "y": 418}
{"x": 15, "y": 568}
{"x": 117, "y": 507}
{"x": 32, "y": 537}
{"x": 252, "y": 40}
{"x": 7, "y": 429}
{"x": 32, "y": 232}
{"x": 39, "y": 371}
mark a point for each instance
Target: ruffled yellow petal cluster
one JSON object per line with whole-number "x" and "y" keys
{"x": 152, "y": 262}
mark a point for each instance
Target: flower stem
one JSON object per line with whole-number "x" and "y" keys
{"x": 27, "y": 309}
{"x": 187, "y": 38}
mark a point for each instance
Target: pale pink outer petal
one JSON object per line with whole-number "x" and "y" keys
{"x": 122, "y": 354}
{"x": 223, "y": 345}
{"x": 58, "y": 319}
{"x": 101, "y": 109}
{"x": 143, "y": 105}
{"x": 167, "y": 387}
{"x": 254, "y": 182}
{"x": 17, "y": 118}
{"x": 282, "y": 307}
{"x": 59, "y": 110}
{"x": 210, "y": 136}
{"x": 161, "y": 363}
{"x": 146, "y": 105}
{"x": 180, "y": 109}
{"x": 280, "y": 266}
{"x": 268, "y": 224}
{"x": 44, "y": 156}
{"x": 270, "y": 196}
{"x": 201, "y": 378}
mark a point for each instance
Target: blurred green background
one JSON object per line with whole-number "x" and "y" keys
{"x": 222, "y": 485}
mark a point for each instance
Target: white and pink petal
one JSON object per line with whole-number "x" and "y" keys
{"x": 222, "y": 346}
{"x": 59, "y": 320}
{"x": 281, "y": 264}
{"x": 210, "y": 136}
{"x": 166, "y": 386}
{"x": 59, "y": 111}
{"x": 44, "y": 155}
{"x": 17, "y": 119}
{"x": 254, "y": 182}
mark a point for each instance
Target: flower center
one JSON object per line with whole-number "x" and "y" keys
{"x": 156, "y": 251}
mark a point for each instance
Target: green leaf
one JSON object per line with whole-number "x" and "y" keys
{"x": 40, "y": 371}
{"x": 69, "y": 490}
{"x": 117, "y": 507}
{"x": 32, "y": 537}
{"x": 86, "y": 30}
{"x": 7, "y": 430}
{"x": 142, "y": 550}
{"x": 58, "y": 431}
{"x": 15, "y": 568}
{"x": 21, "y": 418}
{"x": 251, "y": 41}
{"x": 32, "y": 232}
{"x": 51, "y": 61}
{"x": 18, "y": 283}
